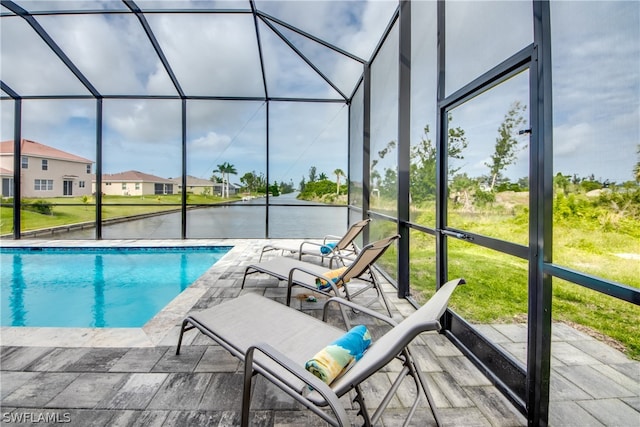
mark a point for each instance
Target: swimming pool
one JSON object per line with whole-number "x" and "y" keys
{"x": 96, "y": 287}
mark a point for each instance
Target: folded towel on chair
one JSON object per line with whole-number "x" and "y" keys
{"x": 333, "y": 275}
{"x": 329, "y": 362}
{"x": 327, "y": 248}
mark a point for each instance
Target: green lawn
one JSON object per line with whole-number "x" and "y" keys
{"x": 497, "y": 283}
{"x": 76, "y": 210}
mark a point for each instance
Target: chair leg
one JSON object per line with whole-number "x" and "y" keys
{"x": 182, "y": 330}
{"x": 379, "y": 291}
{"x": 421, "y": 382}
{"x": 362, "y": 409}
{"x": 288, "y": 301}
{"x": 390, "y": 393}
{"x": 246, "y": 388}
{"x": 246, "y": 273}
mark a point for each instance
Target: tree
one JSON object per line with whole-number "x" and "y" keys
{"x": 422, "y": 171}
{"x": 338, "y": 173}
{"x": 506, "y": 149}
{"x": 226, "y": 169}
{"x": 389, "y": 187}
{"x": 85, "y": 199}
{"x": 322, "y": 177}
{"x": 461, "y": 189}
{"x": 312, "y": 174}
{"x": 562, "y": 182}
{"x": 375, "y": 177}
{"x": 250, "y": 180}
{"x": 287, "y": 187}
{"x": 524, "y": 183}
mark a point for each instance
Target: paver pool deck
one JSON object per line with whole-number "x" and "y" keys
{"x": 132, "y": 377}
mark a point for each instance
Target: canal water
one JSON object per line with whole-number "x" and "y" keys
{"x": 287, "y": 218}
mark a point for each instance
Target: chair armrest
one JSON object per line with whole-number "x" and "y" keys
{"x": 299, "y": 372}
{"x": 356, "y": 307}
{"x": 344, "y": 258}
{"x": 308, "y": 242}
{"x": 331, "y": 237}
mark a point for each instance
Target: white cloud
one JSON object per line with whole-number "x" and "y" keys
{"x": 481, "y": 34}
{"x": 596, "y": 88}
{"x": 211, "y": 54}
{"x": 211, "y": 141}
{"x": 29, "y": 67}
{"x": 144, "y": 121}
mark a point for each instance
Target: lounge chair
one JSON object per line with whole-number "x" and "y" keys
{"x": 331, "y": 246}
{"x": 359, "y": 274}
{"x": 276, "y": 341}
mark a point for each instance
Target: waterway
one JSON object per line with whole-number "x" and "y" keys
{"x": 287, "y": 217}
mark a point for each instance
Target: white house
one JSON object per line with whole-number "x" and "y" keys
{"x": 198, "y": 186}
{"x": 134, "y": 183}
{"x": 44, "y": 171}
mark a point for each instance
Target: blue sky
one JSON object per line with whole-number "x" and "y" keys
{"x": 596, "y": 84}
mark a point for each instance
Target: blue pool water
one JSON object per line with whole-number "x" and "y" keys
{"x": 96, "y": 287}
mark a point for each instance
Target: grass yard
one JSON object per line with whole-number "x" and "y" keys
{"x": 497, "y": 283}
{"x": 74, "y": 210}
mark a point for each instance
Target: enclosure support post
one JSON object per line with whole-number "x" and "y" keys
{"x": 98, "y": 192}
{"x": 541, "y": 217}
{"x": 441, "y": 156}
{"x": 17, "y": 185}
{"x": 404, "y": 146}
{"x": 366, "y": 149}
{"x": 183, "y": 201}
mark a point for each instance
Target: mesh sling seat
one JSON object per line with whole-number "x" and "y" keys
{"x": 275, "y": 341}
{"x": 331, "y": 246}
{"x": 350, "y": 281}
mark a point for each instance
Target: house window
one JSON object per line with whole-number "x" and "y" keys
{"x": 45, "y": 164}
{"x": 80, "y": 184}
{"x": 24, "y": 162}
{"x": 124, "y": 185}
{"x": 43, "y": 185}
{"x": 88, "y": 168}
{"x": 107, "y": 183}
{"x": 137, "y": 185}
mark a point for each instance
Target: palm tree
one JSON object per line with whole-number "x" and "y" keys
{"x": 338, "y": 173}
{"x": 225, "y": 170}
{"x": 214, "y": 178}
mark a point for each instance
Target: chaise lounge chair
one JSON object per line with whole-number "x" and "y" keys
{"x": 359, "y": 274}
{"x": 331, "y": 246}
{"x": 276, "y": 341}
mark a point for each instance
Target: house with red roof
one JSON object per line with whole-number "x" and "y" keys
{"x": 44, "y": 171}
{"x": 134, "y": 183}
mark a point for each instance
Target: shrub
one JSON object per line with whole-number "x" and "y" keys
{"x": 39, "y": 206}
{"x": 509, "y": 186}
{"x": 483, "y": 198}
{"x": 317, "y": 189}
